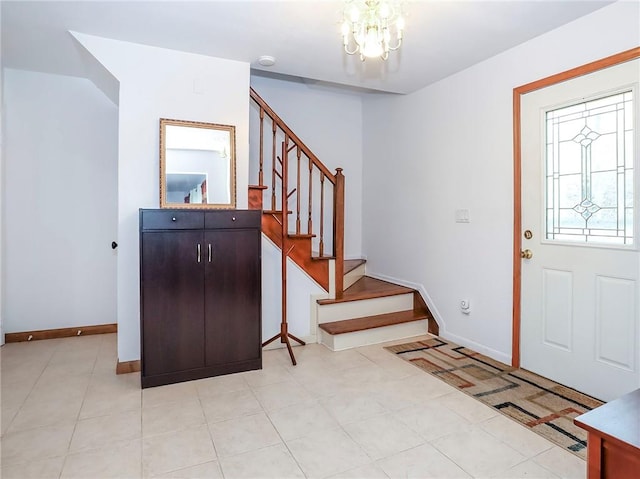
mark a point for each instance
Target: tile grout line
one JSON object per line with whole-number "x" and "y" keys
{"x": 276, "y": 429}
{"x": 29, "y": 393}
{"x": 284, "y": 442}
{"x": 206, "y": 421}
{"x": 75, "y": 425}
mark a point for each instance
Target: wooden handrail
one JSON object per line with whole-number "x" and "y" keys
{"x": 286, "y": 141}
{"x": 292, "y": 136}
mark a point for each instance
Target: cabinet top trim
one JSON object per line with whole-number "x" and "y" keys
{"x": 181, "y": 219}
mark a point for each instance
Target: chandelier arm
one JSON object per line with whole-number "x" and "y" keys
{"x": 397, "y": 46}
{"x": 356, "y": 49}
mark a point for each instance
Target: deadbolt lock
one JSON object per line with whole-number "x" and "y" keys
{"x": 528, "y": 234}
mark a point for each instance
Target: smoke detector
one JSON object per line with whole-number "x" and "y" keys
{"x": 267, "y": 60}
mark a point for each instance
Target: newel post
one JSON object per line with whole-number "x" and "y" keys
{"x": 338, "y": 231}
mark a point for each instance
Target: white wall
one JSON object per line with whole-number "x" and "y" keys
{"x": 59, "y": 200}
{"x": 449, "y": 146}
{"x": 329, "y": 121}
{"x": 159, "y": 83}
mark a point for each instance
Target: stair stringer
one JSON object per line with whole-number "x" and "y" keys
{"x": 302, "y": 293}
{"x": 318, "y": 269}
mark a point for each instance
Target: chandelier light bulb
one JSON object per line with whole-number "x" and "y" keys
{"x": 346, "y": 28}
{"x": 369, "y": 25}
{"x": 372, "y": 45}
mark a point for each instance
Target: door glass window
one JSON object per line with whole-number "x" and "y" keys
{"x": 589, "y": 171}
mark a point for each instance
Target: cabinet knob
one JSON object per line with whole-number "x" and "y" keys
{"x": 173, "y": 218}
{"x": 233, "y": 218}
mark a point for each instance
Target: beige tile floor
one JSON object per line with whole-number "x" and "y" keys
{"x": 362, "y": 413}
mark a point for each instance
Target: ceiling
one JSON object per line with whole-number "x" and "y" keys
{"x": 441, "y": 37}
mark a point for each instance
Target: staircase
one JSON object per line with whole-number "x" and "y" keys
{"x": 373, "y": 311}
{"x": 303, "y": 215}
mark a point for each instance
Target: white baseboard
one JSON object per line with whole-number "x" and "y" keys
{"x": 492, "y": 353}
{"x": 479, "y": 348}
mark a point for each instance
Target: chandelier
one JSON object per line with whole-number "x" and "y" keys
{"x": 369, "y": 25}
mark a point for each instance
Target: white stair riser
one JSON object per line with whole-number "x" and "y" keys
{"x": 353, "y": 276}
{"x": 328, "y": 313}
{"x": 339, "y": 342}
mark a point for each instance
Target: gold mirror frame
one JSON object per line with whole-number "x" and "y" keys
{"x": 209, "y": 189}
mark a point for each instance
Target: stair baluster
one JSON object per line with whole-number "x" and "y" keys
{"x": 321, "y": 215}
{"x": 298, "y": 152}
{"x": 273, "y": 164}
{"x": 338, "y": 231}
{"x": 261, "y": 172}
{"x": 310, "y": 220}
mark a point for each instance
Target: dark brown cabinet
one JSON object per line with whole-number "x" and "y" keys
{"x": 200, "y": 294}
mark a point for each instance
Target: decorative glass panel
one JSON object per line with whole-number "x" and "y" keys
{"x": 589, "y": 171}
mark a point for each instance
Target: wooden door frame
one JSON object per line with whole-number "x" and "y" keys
{"x": 517, "y": 173}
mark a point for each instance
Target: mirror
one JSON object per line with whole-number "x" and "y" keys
{"x": 197, "y": 165}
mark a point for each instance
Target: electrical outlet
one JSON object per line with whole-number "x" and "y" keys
{"x": 465, "y": 306}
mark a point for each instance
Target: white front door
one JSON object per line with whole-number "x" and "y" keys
{"x": 580, "y": 307}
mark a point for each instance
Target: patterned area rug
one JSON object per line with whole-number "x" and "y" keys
{"x": 543, "y": 406}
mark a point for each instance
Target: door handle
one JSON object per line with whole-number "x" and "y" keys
{"x": 209, "y": 248}
{"x": 198, "y": 252}
{"x": 526, "y": 254}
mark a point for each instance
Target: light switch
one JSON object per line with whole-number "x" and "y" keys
{"x": 462, "y": 216}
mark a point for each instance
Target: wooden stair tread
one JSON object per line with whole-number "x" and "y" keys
{"x": 322, "y": 258}
{"x": 371, "y": 322}
{"x": 351, "y": 264}
{"x": 301, "y": 235}
{"x": 275, "y": 212}
{"x": 368, "y": 288}
{"x": 258, "y": 187}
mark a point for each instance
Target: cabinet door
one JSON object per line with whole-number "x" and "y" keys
{"x": 172, "y": 305}
{"x": 232, "y": 296}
